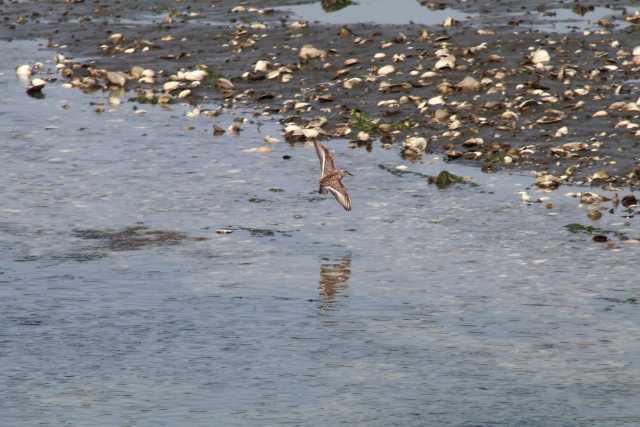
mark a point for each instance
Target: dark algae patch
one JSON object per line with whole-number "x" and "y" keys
{"x": 131, "y": 238}
{"x": 598, "y": 234}
{"x": 445, "y": 179}
{"x": 335, "y": 5}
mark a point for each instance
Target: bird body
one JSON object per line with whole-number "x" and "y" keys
{"x": 331, "y": 178}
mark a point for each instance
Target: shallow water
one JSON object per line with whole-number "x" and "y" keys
{"x": 461, "y": 307}
{"x": 559, "y": 20}
{"x": 379, "y": 11}
{"x": 568, "y": 20}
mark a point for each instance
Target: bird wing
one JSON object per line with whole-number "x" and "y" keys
{"x": 340, "y": 193}
{"x": 326, "y": 159}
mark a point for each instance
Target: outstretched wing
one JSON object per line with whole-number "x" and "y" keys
{"x": 340, "y": 193}
{"x": 326, "y": 159}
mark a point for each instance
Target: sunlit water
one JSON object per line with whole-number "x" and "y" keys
{"x": 457, "y": 307}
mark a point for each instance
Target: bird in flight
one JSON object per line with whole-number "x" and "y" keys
{"x": 331, "y": 178}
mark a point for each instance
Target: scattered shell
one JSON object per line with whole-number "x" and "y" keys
{"x": 468, "y": 84}
{"x": 445, "y": 61}
{"x": 351, "y": 83}
{"x": 363, "y": 136}
{"x": 185, "y": 93}
{"x": 600, "y": 175}
{"x": 270, "y": 140}
{"x": 548, "y": 182}
{"x": 308, "y": 52}
{"x": 116, "y": 38}
{"x": 298, "y": 25}
{"x": 261, "y": 66}
{"x": 224, "y": 84}
{"x": 415, "y": 145}
{"x": 540, "y": 56}
{"x": 171, "y": 86}
{"x": 36, "y": 86}
{"x": 436, "y": 100}
{"x": 448, "y": 22}
{"x": 23, "y": 71}
{"x": 262, "y": 149}
{"x": 594, "y": 214}
{"x": 116, "y": 78}
{"x": 196, "y": 75}
{"x": 136, "y": 72}
{"x": 590, "y": 198}
{"x": 563, "y": 131}
{"x": 473, "y": 142}
{"x": 386, "y": 70}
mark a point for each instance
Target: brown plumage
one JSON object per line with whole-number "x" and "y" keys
{"x": 331, "y": 178}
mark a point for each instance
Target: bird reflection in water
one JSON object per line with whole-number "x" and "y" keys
{"x": 333, "y": 279}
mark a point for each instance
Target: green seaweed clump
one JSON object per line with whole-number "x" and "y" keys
{"x": 445, "y": 179}
{"x": 335, "y": 5}
{"x": 363, "y": 122}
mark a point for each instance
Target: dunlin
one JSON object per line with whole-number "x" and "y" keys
{"x": 331, "y": 178}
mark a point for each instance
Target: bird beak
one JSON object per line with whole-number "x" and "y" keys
{"x": 348, "y": 173}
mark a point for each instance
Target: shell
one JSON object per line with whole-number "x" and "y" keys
{"x": 308, "y": 52}
{"x": 23, "y": 71}
{"x": 224, "y": 84}
{"x": 116, "y": 78}
{"x": 171, "y": 86}
{"x": 386, "y": 70}
{"x": 540, "y": 56}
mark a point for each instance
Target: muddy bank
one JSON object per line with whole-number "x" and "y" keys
{"x": 487, "y": 90}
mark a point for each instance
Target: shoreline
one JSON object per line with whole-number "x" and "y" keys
{"x": 562, "y": 105}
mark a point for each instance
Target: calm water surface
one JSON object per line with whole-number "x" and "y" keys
{"x": 458, "y": 307}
